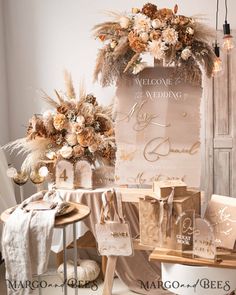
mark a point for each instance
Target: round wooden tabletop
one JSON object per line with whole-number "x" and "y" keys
{"x": 79, "y": 213}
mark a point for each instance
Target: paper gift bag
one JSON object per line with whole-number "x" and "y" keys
{"x": 221, "y": 213}
{"x": 157, "y": 227}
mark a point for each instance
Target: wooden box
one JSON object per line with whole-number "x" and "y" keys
{"x": 163, "y": 189}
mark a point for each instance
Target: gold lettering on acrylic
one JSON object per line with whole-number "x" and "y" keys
{"x": 223, "y": 217}
{"x": 161, "y": 147}
{"x": 141, "y": 179}
{"x": 143, "y": 119}
{"x": 127, "y": 156}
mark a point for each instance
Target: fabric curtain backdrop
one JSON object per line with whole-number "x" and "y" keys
{"x": 7, "y": 195}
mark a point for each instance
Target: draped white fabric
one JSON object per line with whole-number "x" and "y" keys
{"x": 7, "y": 195}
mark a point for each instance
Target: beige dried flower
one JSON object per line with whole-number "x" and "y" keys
{"x": 186, "y": 53}
{"x": 71, "y": 139}
{"x": 80, "y": 120}
{"x": 124, "y": 22}
{"x": 86, "y": 137}
{"x": 89, "y": 120}
{"x": 155, "y": 34}
{"x": 150, "y": 10}
{"x": 178, "y": 45}
{"x": 135, "y": 10}
{"x": 142, "y": 23}
{"x": 66, "y": 152}
{"x": 59, "y": 121}
{"x": 164, "y": 14}
{"x": 78, "y": 151}
{"x": 77, "y": 128}
{"x": 135, "y": 43}
{"x": 157, "y": 24}
{"x": 63, "y": 109}
{"x": 157, "y": 49}
{"x": 170, "y": 36}
{"x": 93, "y": 148}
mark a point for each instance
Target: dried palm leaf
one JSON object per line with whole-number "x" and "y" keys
{"x": 99, "y": 63}
{"x": 82, "y": 90}
{"x": 122, "y": 47}
{"x": 61, "y": 100}
{"x": 132, "y": 61}
{"x": 49, "y": 100}
{"x": 105, "y": 28}
{"x": 203, "y": 32}
{"x": 204, "y": 55}
{"x": 35, "y": 149}
{"x": 116, "y": 15}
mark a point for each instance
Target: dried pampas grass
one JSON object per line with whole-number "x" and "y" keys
{"x": 70, "y": 91}
{"x": 49, "y": 100}
{"x": 35, "y": 149}
{"x": 122, "y": 47}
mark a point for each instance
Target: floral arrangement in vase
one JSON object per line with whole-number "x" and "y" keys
{"x": 73, "y": 129}
{"x": 167, "y": 36}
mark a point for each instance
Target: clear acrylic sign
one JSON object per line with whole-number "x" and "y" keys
{"x": 158, "y": 128}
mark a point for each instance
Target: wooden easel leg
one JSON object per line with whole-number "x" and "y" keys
{"x": 109, "y": 277}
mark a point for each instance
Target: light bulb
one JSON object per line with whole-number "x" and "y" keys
{"x": 228, "y": 43}
{"x": 43, "y": 171}
{"x": 228, "y": 40}
{"x": 218, "y": 67}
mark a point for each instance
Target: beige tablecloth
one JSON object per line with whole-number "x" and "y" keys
{"x": 136, "y": 272}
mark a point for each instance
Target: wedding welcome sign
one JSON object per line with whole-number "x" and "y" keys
{"x": 158, "y": 128}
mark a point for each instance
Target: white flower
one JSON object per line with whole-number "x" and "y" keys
{"x": 142, "y": 23}
{"x": 43, "y": 171}
{"x": 124, "y": 22}
{"x": 113, "y": 44}
{"x": 186, "y": 53}
{"x": 156, "y": 24}
{"x": 71, "y": 139}
{"x": 93, "y": 148}
{"x": 170, "y": 36}
{"x": 139, "y": 67}
{"x": 66, "y": 152}
{"x": 190, "y": 31}
{"x": 11, "y": 172}
{"x": 51, "y": 155}
{"x": 80, "y": 120}
{"x": 157, "y": 49}
{"x": 47, "y": 114}
{"x": 144, "y": 37}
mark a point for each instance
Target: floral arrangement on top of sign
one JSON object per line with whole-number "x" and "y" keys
{"x": 165, "y": 35}
{"x": 77, "y": 129}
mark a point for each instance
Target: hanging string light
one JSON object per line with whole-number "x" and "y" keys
{"x": 228, "y": 41}
{"x": 218, "y": 62}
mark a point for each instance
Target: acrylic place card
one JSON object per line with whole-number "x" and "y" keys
{"x": 221, "y": 213}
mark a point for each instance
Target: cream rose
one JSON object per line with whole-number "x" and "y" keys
{"x": 124, "y": 22}
{"x": 156, "y": 24}
{"x": 186, "y": 53}
{"x": 144, "y": 37}
{"x": 190, "y": 31}
{"x": 51, "y": 155}
{"x": 66, "y": 152}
